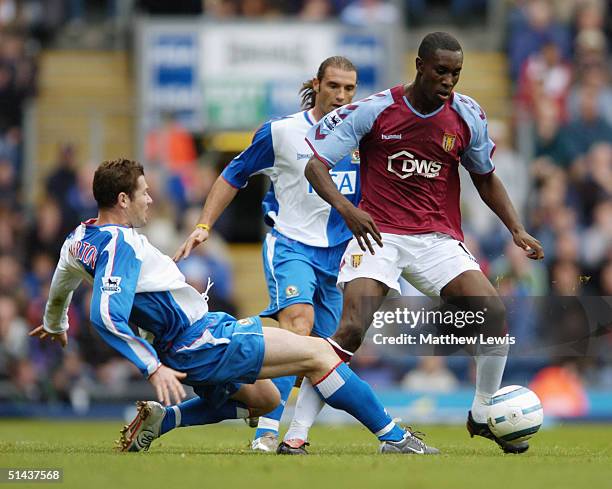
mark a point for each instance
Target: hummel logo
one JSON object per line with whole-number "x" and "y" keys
{"x": 391, "y": 136}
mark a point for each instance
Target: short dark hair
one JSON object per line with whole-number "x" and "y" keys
{"x": 307, "y": 92}
{"x": 113, "y": 177}
{"x": 437, "y": 40}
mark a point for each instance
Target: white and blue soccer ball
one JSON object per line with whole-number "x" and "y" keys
{"x": 515, "y": 413}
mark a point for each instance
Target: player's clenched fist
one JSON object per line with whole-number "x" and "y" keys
{"x": 198, "y": 236}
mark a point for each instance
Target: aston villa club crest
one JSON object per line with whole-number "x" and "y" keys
{"x": 356, "y": 260}
{"x": 448, "y": 142}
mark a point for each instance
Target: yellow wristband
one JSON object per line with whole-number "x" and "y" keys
{"x": 205, "y": 227}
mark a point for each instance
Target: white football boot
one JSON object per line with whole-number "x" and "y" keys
{"x": 144, "y": 428}
{"x": 266, "y": 443}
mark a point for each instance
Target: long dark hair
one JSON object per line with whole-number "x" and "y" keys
{"x": 307, "y": 92}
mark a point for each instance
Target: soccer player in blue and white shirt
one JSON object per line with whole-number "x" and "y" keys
{"x": 227, "y": 361}
{"x": 302, "y": 252}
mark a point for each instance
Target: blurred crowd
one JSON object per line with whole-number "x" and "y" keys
{"x": 554, "y": 154}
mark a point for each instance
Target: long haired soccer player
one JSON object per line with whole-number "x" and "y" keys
{"x": 224, "y": 359}
{"x": 412, "y": 139}
{"x": 302, "y": 252}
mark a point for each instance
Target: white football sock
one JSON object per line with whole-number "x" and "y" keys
{"x": 307, "y": 407}
{"x": 490, "y": 363}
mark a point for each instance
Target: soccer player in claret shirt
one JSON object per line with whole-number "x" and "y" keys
{"x": 412, "y": 139}
{"x": 227, "y": 361}
{"x": 302, "y": 252}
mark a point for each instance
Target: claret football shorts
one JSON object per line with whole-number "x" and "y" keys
{"x": 427, "y": 261}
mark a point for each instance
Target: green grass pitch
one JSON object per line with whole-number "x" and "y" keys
{"x": 344, "y": 456}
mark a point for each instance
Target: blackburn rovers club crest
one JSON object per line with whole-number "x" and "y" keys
{"x": 355, "y": 157}
{"x": 356, "y": 260}
{"x": 291, "y": 291}
{"x": 448, "y": 142}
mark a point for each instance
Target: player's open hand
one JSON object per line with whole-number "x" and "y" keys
{"x": 167, "y": 384}
{"x": 532, "y": 246}
{"x": 197, "y": 237}
{"x": 42, "y": 334}
{"x": 361, "y": 224}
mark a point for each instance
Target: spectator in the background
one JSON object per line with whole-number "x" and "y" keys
{"x": 71, "y": 381}
{"x": 577, "y": 136}
{"x": 547, "y": 142}
{"x": 170, "y": 151}
{"x": 47, "y": 231}
{"x": 370, "y": 12}
{"x": 221, "y": 9}
{"x": 430, "y": 375}
{"x": 590, "y": 47}
{"x": 545, "y": 79}
{"x": 11, "y": 276}
{"x": 10, "y": 230}
{"x": 596, "y": 243}
{"x": 9, "y": 192}
{"x": 38, "y": 277}
{"x": 593, "y": 176}
{"x": 517, "y": 276}
{"x": 532, "y": 24}
{"x": 60, "y": 183}
{"x": 10, "y": 150}
{"x": 605, "y": 279}
{"x": 80, "y": 198}
{"x": 561, "y": 390}
{"x": 210, "y": 261}
{"x": 518, "y": 281}
{"x": 565, "y": 279}
{"x": 13, "y": 334}
{"x": 17, "y": 78}
{"x": 593, "y": 79}
{"x": 315, "y": 10}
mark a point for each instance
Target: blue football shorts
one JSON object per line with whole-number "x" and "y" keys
{"x": 218, "y": 353}
{"x": 301, "y": 274}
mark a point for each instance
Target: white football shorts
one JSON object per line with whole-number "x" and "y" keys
{"x": 427, "y": 261}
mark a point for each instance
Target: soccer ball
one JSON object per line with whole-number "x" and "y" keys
{"x": 515, "y": 414}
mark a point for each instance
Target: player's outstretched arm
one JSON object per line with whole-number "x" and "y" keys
{"x": 41, "y": 334}
{"x": 167, "y": 385}
{"x": 359, "y": 222}
{"x": 221, "y": 194}
{"x": 493, "y": 193}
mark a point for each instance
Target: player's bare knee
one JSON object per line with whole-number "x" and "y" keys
{"x": 495, "y": 316}
{"x": 298, "y": 319}
{"x": 321, "y": 357}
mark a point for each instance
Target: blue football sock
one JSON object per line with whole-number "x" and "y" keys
{"x": 197, "y": 411}
{"x": 342, "y": 389}
{"x": 271, "y": 421}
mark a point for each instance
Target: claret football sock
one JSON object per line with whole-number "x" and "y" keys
{"x": 342, "y": 389}
{"x": 197, "y": 411}
{"x": 271, "y": 421}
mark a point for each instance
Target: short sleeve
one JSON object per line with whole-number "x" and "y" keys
{"x": 258, "y": 157}
{"x": 339, "y": 132}
{"x": 477, "y": 156}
